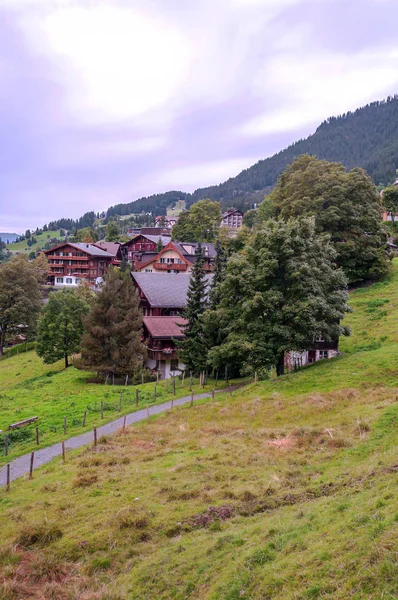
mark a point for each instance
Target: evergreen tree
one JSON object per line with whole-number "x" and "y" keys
{"x": 60, "y": 326}
{"x": 20, "y": 299}
{"x": 279, "y": 293}
{"x": 193, "y": 350}
{"x": 111, "y": 343}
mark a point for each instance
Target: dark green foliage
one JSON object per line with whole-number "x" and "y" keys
{"x": 112, "y": 231}
{"x": 390, "y": 202}
{"x": 278, "y": 294}
{"x": 20, "y": 299}
{"x": 61, "y": 327}
{"x": 345, "y": 205}
{"x": 199, "y": 224}
{"x": 112, "y": 343}
{"x": 192, "y": 349}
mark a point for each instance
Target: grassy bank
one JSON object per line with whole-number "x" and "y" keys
{"x": 43, "y": 238}
{"x": 286, "y": 491}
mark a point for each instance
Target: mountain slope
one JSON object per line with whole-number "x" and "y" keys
{"x": 365, "y": 138}
{"x": 287, "y": 490}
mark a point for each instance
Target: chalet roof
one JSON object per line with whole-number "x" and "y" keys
{"x": 111, "y": 247}
{"x": 232, "y": 212}
{"x": 165, "y": 290}
{"x": 164, "y": 327}
{"x": 89, "y": 248}
{"x": 165, "y": 239}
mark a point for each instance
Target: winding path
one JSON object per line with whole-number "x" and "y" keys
{"x": 20, "y": 466}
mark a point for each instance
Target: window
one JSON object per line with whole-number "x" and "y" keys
{"x": 319, "y": 338}
{"x": 148, "y": 270}
{"x": 77, "y": 280}
{"x": 323, "y": 354}
{"x": 60, "y": 279}
{"x": 68, "y": 280}
{"x": 173, "y": 364}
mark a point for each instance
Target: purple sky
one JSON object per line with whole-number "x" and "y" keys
{"x": 102, "y": 102}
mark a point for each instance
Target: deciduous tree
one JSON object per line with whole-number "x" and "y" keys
{"x": 345, "y": 205}
{"x": 390, "y": 202}
{"x": 200, "y": 223}
{"x": 20, "y": 299}
{"x": 60, "y": 327}
{"x": 278, "y": 294}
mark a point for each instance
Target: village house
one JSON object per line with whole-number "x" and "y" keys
{"x": 162, "y": 294}
{"x": 113, "y": 248}
{"x": 72, "y": 263}
{"x": 143, "y": 246}
{"x": 168, "y": 222}
{"x": 160, "y": 335}
{"x": 177, "y": 257}
{"x": 232, "y": 219}
{"x": 321, "y": 350}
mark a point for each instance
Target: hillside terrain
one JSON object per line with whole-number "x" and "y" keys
{"x": 8, "y": 237}
{"x": 366, "y": 138}
{"x": 42, "y": 239}
{"x": 286, "y": 490}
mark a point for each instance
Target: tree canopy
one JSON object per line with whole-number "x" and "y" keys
{"x": 390, "y": 202}
{"x": 20, "y": 299}
{"x": 345, "y": 205}
{"x": 60, "y": 327}
{"x": 111, "y": 343}
{"x": 279, "y": 293}
{"x": 199, "y": 224}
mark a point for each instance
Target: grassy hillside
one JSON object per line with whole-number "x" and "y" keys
{"x": 41, "y": 240}
{"x": 29, "y": 388}
{"x": 287, "y": 491}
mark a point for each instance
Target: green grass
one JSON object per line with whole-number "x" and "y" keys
{"x": 286, "y": 491}
{"x": 22, "y": 247}
{"x": 30, "y": 388}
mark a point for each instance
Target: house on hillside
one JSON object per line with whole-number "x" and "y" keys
{"x": 72, "y": 263}
{"x": 160, "y": 335}
{"x": 321, "y": 350}
{"x": 162, "y": 294}
{"x": 143, "y": 246}
{"x": 177, "y": 257}
{"x": 113, "y": 248}
{"x": 232, "y": 219}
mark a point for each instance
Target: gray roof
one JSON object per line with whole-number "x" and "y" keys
{"x": 165, "y": 290}
{"x": 183, "y": 247}
{"x": 165, "y": 239}
{"x": 94, "y": 250}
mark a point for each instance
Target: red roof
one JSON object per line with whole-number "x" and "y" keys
{"x": 164, "y": 327}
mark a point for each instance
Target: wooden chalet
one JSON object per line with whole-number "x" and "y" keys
{"x": 233, "y": 219}
{"x": 143, "y": 246}
{"x": 162, "y": 294}
{"x": 177, "y": 257}
{"x": 72, "y": 263}
{"x": 160, "y": 335}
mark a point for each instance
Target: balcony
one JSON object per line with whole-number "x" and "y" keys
{"x": 66, "y": 257}
{"x": 170, "y": 266}
{"x": 158, "y": 354}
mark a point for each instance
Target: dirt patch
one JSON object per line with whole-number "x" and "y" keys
{"x": 210, "y": 515}
{"x": 282, "y": 443}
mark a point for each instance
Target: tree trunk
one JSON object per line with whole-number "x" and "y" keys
{"x": 66, "y": 361}
{"x": 280, "y": 367}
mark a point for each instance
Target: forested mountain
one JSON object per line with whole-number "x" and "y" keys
{"x": 365, "y": 138}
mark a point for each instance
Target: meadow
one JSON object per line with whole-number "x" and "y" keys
{"x": 287, "y": 490}
{"x": 43, "y": 238}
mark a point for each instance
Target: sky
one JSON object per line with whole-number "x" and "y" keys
{"x": 106, "y": 101}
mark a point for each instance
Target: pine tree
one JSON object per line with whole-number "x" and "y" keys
{"x": 193, "y": 350}
{"x": 60, "y": 327}
{"x": 112, "y": 344}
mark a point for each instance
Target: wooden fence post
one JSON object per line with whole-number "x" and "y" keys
{"x": 64, "y": 425}
{"x": 102, "y": 409}
{"x": 190, "y": 381}
{"x": 6, "y": 444}
{"x": 191, "y": 400}
{"x": 182, "y": 380}
{"x": 172, "y": 401}
{"x": 174, "y": 386}
{"x": 154, "y": 394}
{"x": 63, "y": 450}
{"x": 157, "y": 376}
{"x": 120, "y": 401}
{"x": 113, "y": 378}
{"x": 124, "y": 421}
{"x": 95, "y": 436}
{"x": 84, "y": 418}
{"x": 37, "y": 436}
{"x": 255, "y": 376}
{"x": 127, "y": 380}
{"x": 8, "y": 478}
{"x": 136, "y": 396}
{"x": 32, "y": 458}
{"x": 212, "y": 395}
{"x": 147, "y": 412}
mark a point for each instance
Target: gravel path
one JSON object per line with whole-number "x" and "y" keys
{"x": 20, "y": 466}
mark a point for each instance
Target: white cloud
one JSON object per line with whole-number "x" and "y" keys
{"x": 314, "y": 88}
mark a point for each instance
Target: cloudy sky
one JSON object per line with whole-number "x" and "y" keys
{"x": 102, "y": 101}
